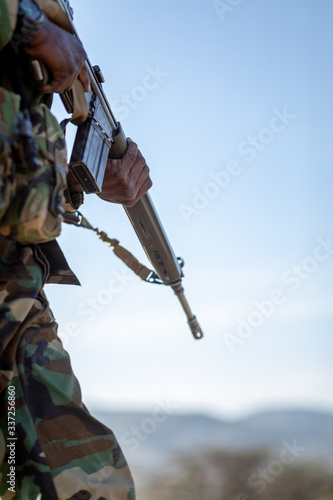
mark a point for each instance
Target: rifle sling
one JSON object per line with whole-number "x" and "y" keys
{"x": 77, "y": 219}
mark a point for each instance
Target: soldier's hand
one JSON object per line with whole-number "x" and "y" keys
{"x": 126, "y": 180}
{"x": 63, "y": 55}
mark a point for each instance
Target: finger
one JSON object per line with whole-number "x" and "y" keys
{"x": 130, "y": 156}
{"x": 142, "y": 184}
{"x": 60, "y": 84}
{"x": 55, "y": 88}
{"x": 132, "y": 149}
{"x": 84, "y": 79}
{"x": 52, "y": 87}
{"x": 72, "y": 79}
{"x": 143, "y": 176}
{"x": 138, "y": 167}
{"x": 139, "y": 159}
{"x": 48, "y": 89}
{"x": 142, "y": 191}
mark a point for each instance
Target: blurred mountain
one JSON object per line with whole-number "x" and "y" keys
{"x": 158, "y": 437}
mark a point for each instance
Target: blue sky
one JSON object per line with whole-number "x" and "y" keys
{"x": 232, "y": 110}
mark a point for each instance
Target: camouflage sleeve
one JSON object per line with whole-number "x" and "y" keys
{"x": 8, "y": 14}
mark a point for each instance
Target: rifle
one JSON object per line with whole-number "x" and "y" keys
{"x": 99, "y": 137}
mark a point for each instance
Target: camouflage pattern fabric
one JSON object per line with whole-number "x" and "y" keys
{"x": 55, "y": 450}
{"x": 32, "y": 196}
{"x": 61, "y": 451}
{"x": 33, "y": 158}
{"x": 8, "y": 13}
{"x": 60, "y": 273}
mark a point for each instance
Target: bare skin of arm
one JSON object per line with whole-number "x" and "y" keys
{"x": 62, "y": 54}
{"x": 126, "y": 180}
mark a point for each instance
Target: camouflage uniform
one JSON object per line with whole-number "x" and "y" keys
{"x": 57, "y": 450}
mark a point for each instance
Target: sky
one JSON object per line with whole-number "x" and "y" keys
{"x": 230, "y": 103}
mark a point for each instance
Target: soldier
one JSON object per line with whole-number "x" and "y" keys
{"x": 51, "y": 448}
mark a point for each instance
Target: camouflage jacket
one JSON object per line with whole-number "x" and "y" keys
{"x": 47, "y": 144}
{"x": 8, "y": 13}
